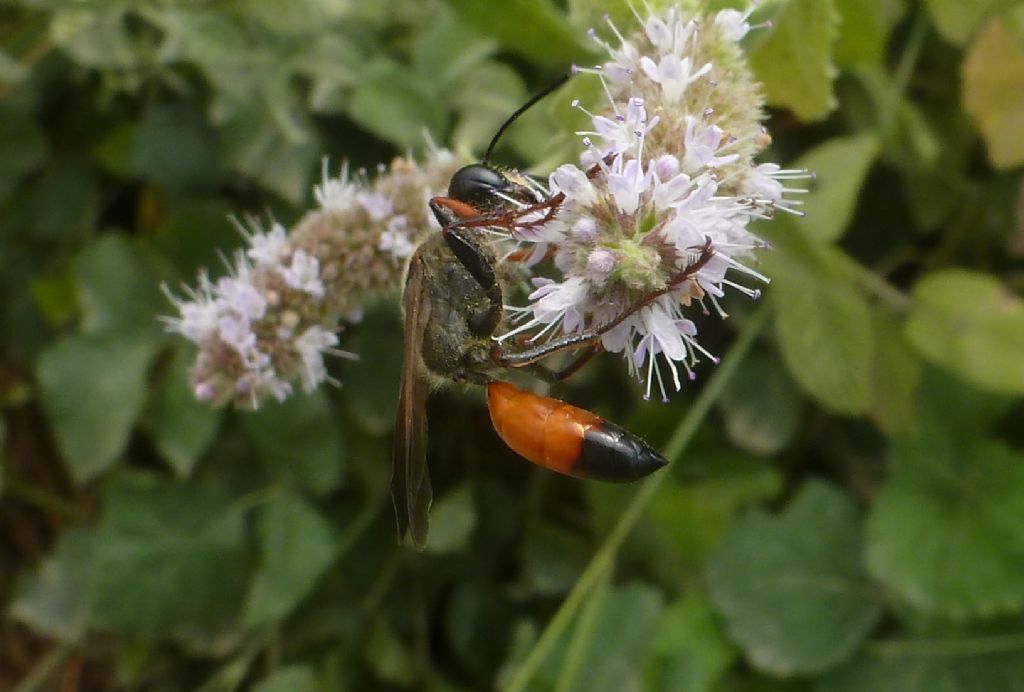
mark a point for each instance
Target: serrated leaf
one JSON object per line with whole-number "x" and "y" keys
{"x": 761, "y": 406}
{"x": 92, "y": 391}
{"x": 826, "y": 338}
{"x": 993, "y": 93}
{"x": 922, "y": 666}
{"x": 395, "y": 105}
{"x": 452, "y": 519}
{"x": 958, "y": 20}
{"x": 533, "y": 28}
{"x": 293, "y": 678}
{"x": 946, "y": 533}
{"x": 969, "y": 323}
{"x": 296, "y": 545}
{"x": 792, "y": 587}
{"x": 691, "y": 651}
{"x": 170, "y": 558}
{"x": 299, "y": 442}
{"x": 55, "y": 599}
{"x": 840, "y": 166}
{"x": 181, "y": 427}
{"x": 795, "y": 61}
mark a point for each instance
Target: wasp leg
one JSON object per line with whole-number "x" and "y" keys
{"x": 475, "y": 262}
{"x": 530, "y": 356}
{"x": 545, "y": 373}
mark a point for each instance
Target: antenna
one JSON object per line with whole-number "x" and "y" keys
{"x": 522, "y": 109}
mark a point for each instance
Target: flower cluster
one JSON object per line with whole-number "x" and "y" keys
{"x": 268, "y": 324}
{"x": 656, "y": 217}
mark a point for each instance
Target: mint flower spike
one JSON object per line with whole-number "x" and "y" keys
{"x": 266, "y": 326}
{"x": 674, "y": 145}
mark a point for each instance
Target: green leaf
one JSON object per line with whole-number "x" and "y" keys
{"x": 92, "y": 391}
{"x": 946, "y": 533}
{"x": 170, "y": 558}
{"x": 840, "y": 166}
{"x": 64, "y": 202}
{"x": 553, "y": 558}
{"x": 253, "y": 146}
{"x": 23, "y": 147}
{"x": 388, "y": 657}
{"x": 297, "y": 545}
{"x": 294, "y": 678}
{"x": 452, "y": 520}
{"x": 533, "y": 28}
{"x": 299, "y": 441}
{"x": 795, "y": 61}
{"x": 825, "y": 334}
{"x": 792, "y": 588}
{"x": 993, "y": 93}
{"x": 618, "y": 637}
{"x": 54, "y": 599}
{"x": 477, "y": 623}
{"x": 395, "y": 105}
{"x": 119, "y": 290}
{"x": 491, "y": 92}
{"x": 371, "y": 383}
{"x": 864, "y": 27}
{"x": 691, "y": 651}
{"x": 175, "y": 147}
{"x": 761, "y": 406}
{"x": 181, "y": 427}
{"x": 93, "y": 38}
{"x": 958, "y": 20}
{"x": 962, "y": 664}
{"x": 969, "y": 323}
{"x": 897, "y": 372}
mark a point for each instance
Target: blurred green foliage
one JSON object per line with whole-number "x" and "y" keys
{"x": 850, "y": 517}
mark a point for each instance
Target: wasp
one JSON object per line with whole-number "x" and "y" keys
{"x": 453, "y": 304}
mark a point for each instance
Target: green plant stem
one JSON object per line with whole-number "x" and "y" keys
{"x": 604, "y": 558}
{"x": 874, "y": 284}
{"x": 944, "y": 648}
{"x": 904, "y": 69}
{"x": 581, "y": 638}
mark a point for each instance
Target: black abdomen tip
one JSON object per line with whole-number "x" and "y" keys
{"x": 611, "y": 453}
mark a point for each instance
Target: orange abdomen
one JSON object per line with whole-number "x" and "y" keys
{"x": 567, "y": 439}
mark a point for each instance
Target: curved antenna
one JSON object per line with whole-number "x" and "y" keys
{"x": 522, "y": 109}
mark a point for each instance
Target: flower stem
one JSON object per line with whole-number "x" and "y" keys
{"x": 604, "y": 558}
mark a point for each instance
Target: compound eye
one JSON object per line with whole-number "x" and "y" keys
{"x": 474, "y": 185}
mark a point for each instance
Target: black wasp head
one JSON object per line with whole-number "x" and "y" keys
{"x": 476, "y": 184}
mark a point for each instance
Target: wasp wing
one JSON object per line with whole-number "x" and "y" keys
{"x": 410, "y": 482}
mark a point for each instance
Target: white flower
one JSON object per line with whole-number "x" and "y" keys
{"x": 335, "y": 193}
{"x": 311, "y": 345}
{"x": 395, "y": 239}
{"x": 376, "y": 205}
{"x": 733, "y": 23}
{"x": 303, "y": 273}
{"x": 673, "y": 74}
{"x": 268, "y": 248}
